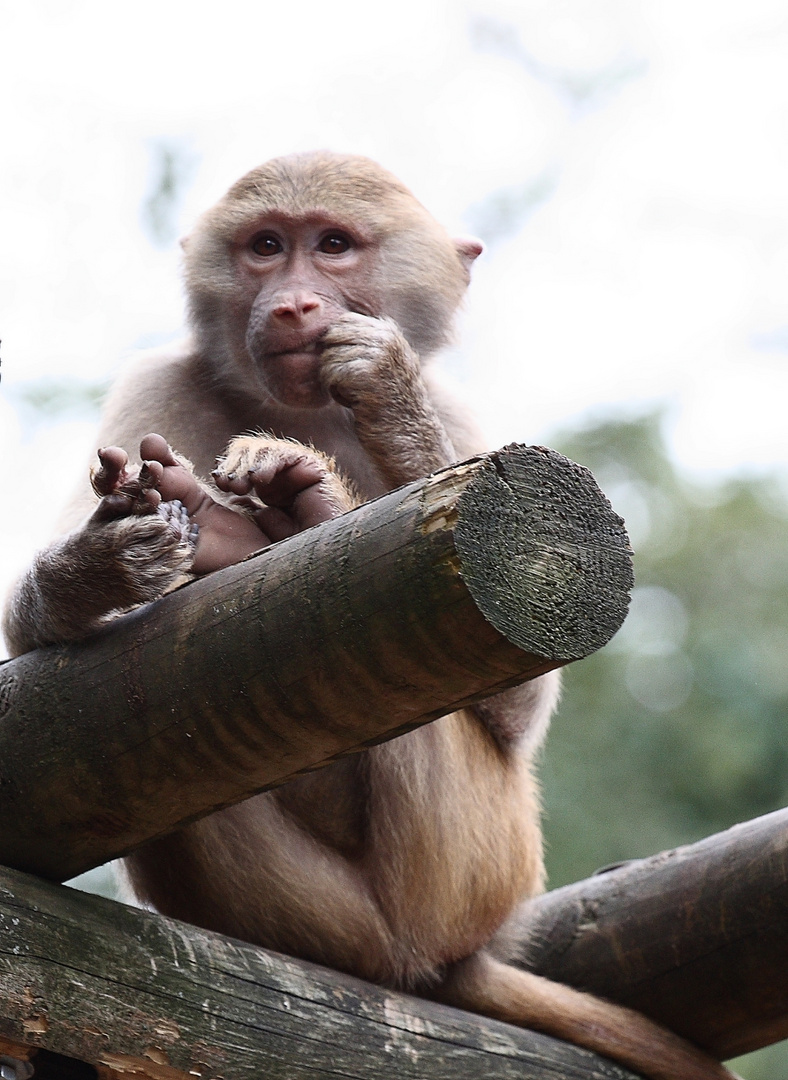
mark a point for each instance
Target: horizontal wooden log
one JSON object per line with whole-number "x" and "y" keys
{"x": 429, "y": 598}
{"x": 696, "y": 937}
{"x": 136, "y": 995}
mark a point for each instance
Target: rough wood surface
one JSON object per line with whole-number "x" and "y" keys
{"x": 149, "y": 998}
{"x": 431, "y": 597}
{"x": 696, "y": 937}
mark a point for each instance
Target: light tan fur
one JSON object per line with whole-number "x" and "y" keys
{"x": 318, "y": 288}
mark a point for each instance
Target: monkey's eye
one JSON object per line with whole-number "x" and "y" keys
{"x": 334, "y": 244}
{"x": 266, "y": 245}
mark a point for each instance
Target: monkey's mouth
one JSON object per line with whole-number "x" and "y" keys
{"x": 308, "y": 348}
{"x": 293, "y": 375}
{"x": 289, "y": 346}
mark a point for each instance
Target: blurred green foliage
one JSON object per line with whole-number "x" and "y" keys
{"x": 678, "y": 728}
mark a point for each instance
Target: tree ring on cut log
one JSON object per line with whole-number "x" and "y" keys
{"x": 543, "y": 554}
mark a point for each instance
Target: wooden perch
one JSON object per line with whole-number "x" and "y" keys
{"x": 429, "y": 598}
{"x": 140, "y": 997}
{"x": 696, "y": 937}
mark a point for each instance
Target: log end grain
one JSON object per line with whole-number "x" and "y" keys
{"x": 544, "y": 555}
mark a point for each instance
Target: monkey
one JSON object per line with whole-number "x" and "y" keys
{"x": 319, "y": 289}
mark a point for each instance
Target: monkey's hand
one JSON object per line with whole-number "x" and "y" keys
{"x": 285, "y": 486}
{"x": 131, "y": 549}
{"x": 368, "y": 366}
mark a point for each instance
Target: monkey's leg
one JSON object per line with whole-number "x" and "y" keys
{"x": 484, "y": 985}
{"x": 254, "y": 872}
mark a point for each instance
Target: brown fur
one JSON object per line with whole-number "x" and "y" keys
{"x": 347, "y": 866}
{"x": 400, "y": 864}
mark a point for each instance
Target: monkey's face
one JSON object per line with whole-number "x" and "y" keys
{"x": 302, "y": 240}
{"x": 295, "y": 277}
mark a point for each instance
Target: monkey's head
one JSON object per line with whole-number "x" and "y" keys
{"x": 303, "y": 239}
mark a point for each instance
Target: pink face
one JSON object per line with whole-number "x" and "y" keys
{"x": 297, "y": 275}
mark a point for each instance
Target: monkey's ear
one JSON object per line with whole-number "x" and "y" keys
{"x": 184, "y": 242}
{"x": 468, "y": 248}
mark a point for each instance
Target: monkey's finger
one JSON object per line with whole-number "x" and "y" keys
{"x": 274, "y": 479}
{"x": 352, "y": 327}
{"x": 148, "y": 500}
{"x": 126, "y": 501}
{"x": 315, "y": 505}
{"x": 235, "y": 483}
{"x": 117, "y": 505}
{"x": 275, "y": 524}
{"x": 283, "y": 487}
{"x": 151, "y": 474}
{"x": 112, "y": 470}
{"x": 155, "y": 447}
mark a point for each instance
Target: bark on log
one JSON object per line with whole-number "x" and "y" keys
{"x": 696, "y": 937}
{"x": 432, "y": 597}
{"x": 143, "y": 997}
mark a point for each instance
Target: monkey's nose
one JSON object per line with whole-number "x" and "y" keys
{"x": 296, "y": 305}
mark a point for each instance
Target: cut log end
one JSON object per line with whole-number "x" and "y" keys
{"x": 543, "y": 554}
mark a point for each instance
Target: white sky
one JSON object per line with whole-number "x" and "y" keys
{"x": 656, "y": 270}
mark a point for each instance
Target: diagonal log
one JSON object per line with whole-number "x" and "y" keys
{"x": 140, "y": 997}
{"x": 429, "y": 598}
{"x": 696, "y": 937}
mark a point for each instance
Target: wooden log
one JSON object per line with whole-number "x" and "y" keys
{"x": 139, "y": 996}
{"x": 696, "y": 937}
{"x": 427, "y": 599}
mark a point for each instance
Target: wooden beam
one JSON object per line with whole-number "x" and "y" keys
{"x": 696, "y": 937}
{"x": 140, "y": 997}
{"x": 429, "y": 598}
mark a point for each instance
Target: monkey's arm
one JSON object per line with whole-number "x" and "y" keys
{"x": 411, "y": 425}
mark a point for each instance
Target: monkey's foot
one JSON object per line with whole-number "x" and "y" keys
{"x": 177, "y": 517}
{"x": 296, "y": 486}
{"x": 223, "y": 536}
